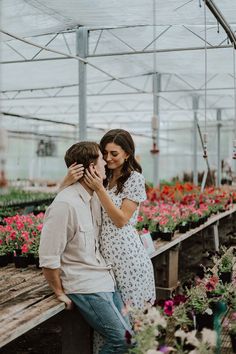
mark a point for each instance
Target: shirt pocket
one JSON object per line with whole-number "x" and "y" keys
{"x": 86, "y": 236}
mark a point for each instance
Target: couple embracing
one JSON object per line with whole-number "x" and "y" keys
{"x": 90, "y": 252}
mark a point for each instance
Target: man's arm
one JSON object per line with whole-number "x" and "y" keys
{"x": 53, "y": 278}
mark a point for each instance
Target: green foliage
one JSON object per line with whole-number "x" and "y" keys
{"x": 15, "y": 196}
{"x": 197, "y": 299}
{"x": 145, "y": 340}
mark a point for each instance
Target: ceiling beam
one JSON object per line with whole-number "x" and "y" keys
{"x": 22, "y": 116}
{"x": 221, "y": 19}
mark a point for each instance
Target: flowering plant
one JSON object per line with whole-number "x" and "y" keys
{"x": 21, "y": 232}
{"x": 226, "y": 261}
{"x": 204, "y": 345}
{"x": 167, "y": 224}
{"x": 148, "y": 326}
{"x": 3, "y": 248}
{"x": 150, "y": 329}
{"x": 198, "y": 301}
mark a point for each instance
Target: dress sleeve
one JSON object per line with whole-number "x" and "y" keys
{"x": 134, "y": 188}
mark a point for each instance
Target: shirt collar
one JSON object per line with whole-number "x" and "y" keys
{"x": 82, "y": 192}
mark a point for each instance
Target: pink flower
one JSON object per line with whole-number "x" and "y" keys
{"x": 39, "y": 227}
{"x": 210, "y": 286}
{"x": 24, "y": 248}
{"x": 169, "y": 307}
{"x": 25, "y": 235}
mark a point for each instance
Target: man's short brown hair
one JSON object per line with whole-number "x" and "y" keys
{"x": 84, "y": 152}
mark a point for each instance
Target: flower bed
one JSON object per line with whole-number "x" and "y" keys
{"x": 20, "y": 235}
{"x": 181, "y": 207}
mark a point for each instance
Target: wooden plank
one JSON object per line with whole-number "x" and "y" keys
{"x": 18, "y": 281}
{"x": 26, "y": 320}
{"x": 162, "y": 246}
{"x": 10, "y": 273}
{"x": 15, "y": 306}
{"x": 13, "y": 292}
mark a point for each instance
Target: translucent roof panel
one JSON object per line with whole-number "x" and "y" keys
{"x": 122, "y": 38}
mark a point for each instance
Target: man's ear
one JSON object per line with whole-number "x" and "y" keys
{"x": 92, "y": 166}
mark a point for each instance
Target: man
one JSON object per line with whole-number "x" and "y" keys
{"x": 70, "y": 257}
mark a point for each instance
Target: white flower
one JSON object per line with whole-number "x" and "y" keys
{"x": 209, "y": 311}
{"x": 181, "y": 334}
{"x": 191, "y": 338}
{"x": 209, "y": 337}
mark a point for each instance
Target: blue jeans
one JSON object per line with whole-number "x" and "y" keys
{"x": 103, "y": 312}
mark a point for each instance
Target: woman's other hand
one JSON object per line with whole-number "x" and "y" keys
{"x": 74, "y": 174}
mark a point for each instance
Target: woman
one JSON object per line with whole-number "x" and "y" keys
{"x": 120, "y": 196}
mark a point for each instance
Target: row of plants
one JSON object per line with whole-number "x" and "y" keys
{"x": 177, "y": 207}
{"x": 180, "y": 207}
{"x": 190, "y": 322}
{"x": 18, "y": 196}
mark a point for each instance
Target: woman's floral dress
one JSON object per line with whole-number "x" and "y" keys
{"x": 122, "y": 248}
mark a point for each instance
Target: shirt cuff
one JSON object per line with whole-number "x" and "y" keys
{"x": 51, "y": 262}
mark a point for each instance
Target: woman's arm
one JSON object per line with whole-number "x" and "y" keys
{"x": 75, "y": 172}
{"x": 119, "y": 216}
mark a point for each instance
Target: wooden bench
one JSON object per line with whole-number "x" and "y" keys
{"x": 26, "y": 301}
{"x": 166, "y": 255}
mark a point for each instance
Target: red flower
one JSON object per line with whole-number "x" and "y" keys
{"x": 128, "y": 337}
{"x": 24, "y": 248}
{"x": 178, "y": 299}
{"x": 169, "y": 307}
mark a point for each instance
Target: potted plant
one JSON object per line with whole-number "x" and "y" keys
{"x": 183, "y": 226}
{"x": 225, "y": 266}
{"x": 198, "y": 304}
{"x": 167, "y": 225}
{"x": 3, "y": 255}
{"x": 20, "y": 261}
{"x": 34, "y": 250}
{"x": 153, "y": 227}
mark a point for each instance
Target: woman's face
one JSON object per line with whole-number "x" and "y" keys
{"x": 114, "y": 156}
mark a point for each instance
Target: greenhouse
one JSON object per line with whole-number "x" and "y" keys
{"x": 118, "y": 176}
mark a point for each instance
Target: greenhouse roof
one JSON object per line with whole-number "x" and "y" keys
{"x": 128, "y": 41}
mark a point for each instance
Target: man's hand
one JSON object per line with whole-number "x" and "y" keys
{"x": 64, "y": 298}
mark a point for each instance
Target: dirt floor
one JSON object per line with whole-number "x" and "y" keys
{"x": 46, "y": 338}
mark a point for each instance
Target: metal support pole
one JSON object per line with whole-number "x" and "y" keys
{"x": 82, "y": 51}
{"x": 156, "y": 110}
{"x": 216, "y": 236}
{"x": 218, "y": 117}
{"x": 195, "y": 122}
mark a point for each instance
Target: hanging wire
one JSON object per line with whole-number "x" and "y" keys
{"x": 205, "y": 92}
{"x": 234, "y": 77}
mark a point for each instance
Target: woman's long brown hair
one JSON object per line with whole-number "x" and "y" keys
{"x": 123, "y": 139}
